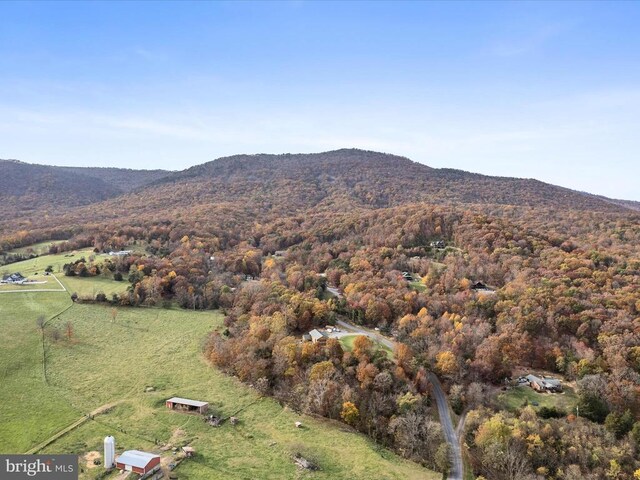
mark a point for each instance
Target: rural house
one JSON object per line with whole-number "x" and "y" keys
{"x": 14, "y": 278}
{"x": 544, "y": 384}
{"x": 186, "y": 405}
{"x": 317, "y": 336}
{"x": 138, "y": 462}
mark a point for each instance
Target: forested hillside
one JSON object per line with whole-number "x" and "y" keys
{"x": 40, "y": 190}
{"x": 561, "y": 271}
{"x": 123, "y": 179}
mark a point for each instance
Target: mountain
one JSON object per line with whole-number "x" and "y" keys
{"x": 377, "y": 180}
{"x": 39, "y": 189}
{"x": 278, "y": 185}
{"x": 124, "y": 179}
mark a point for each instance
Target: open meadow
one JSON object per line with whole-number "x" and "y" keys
{"x": 41, "y": 248}
{"x": 97, "y": 356}
{"x": 34, "y": 269}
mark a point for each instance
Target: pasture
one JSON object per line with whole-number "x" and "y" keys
{"x": 41, "y": 248}
{"x": 84, "y": 286}
{"x": 113, "y": 356}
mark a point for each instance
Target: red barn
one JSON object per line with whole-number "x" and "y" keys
{"x": 138, "y": 462}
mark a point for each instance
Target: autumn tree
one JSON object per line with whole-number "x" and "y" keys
{"x": 350, "y": 413}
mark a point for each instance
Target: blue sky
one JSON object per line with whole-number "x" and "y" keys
{"x": 544, "y": 90}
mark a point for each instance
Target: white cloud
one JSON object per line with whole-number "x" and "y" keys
{"x": 526, "y": 43}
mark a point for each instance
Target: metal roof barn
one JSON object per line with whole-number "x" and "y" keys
{"x": 187, "y": 405}
{"x": 138, "y": 462}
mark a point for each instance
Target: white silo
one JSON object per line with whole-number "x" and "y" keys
{"x": 109, "y": 452}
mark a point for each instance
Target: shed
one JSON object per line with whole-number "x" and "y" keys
{"x": 186, "y": 405}
{"x": 189, "y": 451}
{"x": 138, "y": 462}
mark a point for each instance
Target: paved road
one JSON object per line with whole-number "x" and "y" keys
{"x": 451, "y": 435}
{"x": 349, "y": 329}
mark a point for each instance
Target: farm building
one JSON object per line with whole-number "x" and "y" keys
{"x": 138, "y": 462}
{"x": 186, "y": 405}
{"x": 317, "y": 336}
{"x": 121, "y": 253}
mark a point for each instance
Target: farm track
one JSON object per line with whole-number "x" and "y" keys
{"x": 76, "y": 424}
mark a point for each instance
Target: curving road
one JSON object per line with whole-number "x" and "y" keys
{"x": 451, "y": 435}
{"x": 357, "y": 330}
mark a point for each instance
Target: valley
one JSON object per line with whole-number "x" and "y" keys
{"x": 205, "y": 283}
{"x": 113, "y": 359}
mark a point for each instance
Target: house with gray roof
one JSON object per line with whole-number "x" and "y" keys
{"x": 544, "y": 384}
{"x": 317, "y": 336}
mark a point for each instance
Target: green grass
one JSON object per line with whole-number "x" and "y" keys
{"x": 347, "y": 344}
{"x": 517, "y": 397}
{"x": 418, "y": 286}
{"x": 109, "y": 362}
{"x": 49, "y": 283}
{"x": 37, "y": 248}
{"x": 84, "y": 287}
{"x": 31, "y": 410}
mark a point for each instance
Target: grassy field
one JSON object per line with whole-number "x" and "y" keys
{"x": 47, "y": 282}
{"x": 347, "y": 344}
{"x": 109, "y": 362}
{"x": 31, "y": 410}
{"x": 84, "y": 287}
{"x": 37, "y": 248}
{"x": 517, "y": 397}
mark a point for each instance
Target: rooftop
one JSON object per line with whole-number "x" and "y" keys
{"x": 316, "y": 334}
{"x": 186, "y": 401}
{"x": 136, "y": 458}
